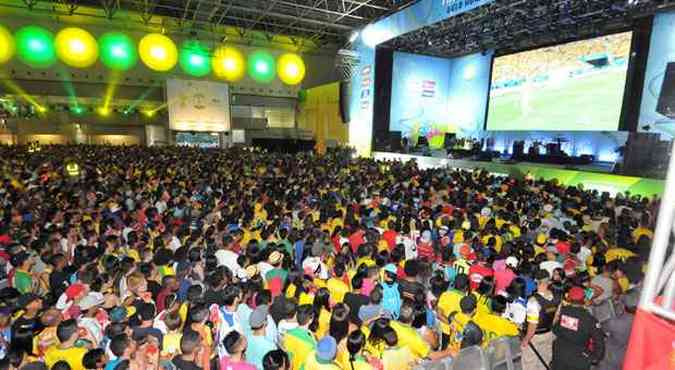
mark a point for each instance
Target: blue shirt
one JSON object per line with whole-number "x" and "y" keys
{"x": 258, "y": 346}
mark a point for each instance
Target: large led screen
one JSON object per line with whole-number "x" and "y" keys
{"x": 570, "y": 87}
{"x": 657, "y": 111}
{"x": 433, "y": 96}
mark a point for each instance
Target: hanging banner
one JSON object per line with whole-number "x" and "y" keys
{"x": 198, "y": 105}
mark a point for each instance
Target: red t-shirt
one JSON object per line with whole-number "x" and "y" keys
{"x": 477, "y": 273}
{"x": 390, "y": 237}
{"x": 356, "y": 239}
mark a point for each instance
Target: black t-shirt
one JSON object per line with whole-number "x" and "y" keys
{"x": 27, "y": 324}
{"x": 355, "y": 301}
{"x": 181, "y": 364}
{"x": 410, "y": 289}
{"x": 58, "y": 282}
{"x": 154, "y": 288}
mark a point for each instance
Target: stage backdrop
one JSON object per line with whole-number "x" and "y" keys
{"x": 198, "y": 105}
{"x": 658, "y": 97}
{"x": 416, "y": 16}
{"x": 433, "y": 96}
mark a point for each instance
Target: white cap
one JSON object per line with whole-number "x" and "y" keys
{"x": 511, "y": 261}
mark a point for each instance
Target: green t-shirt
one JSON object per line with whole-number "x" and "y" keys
{"x": 23, "y": 282}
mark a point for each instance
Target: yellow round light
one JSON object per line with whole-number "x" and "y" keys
{"x": 76, "y": 47}
{"x": 291, "y": 69}
{"x": 7, "y": 47}
{"x": 228, "y": 64}
{"x": 158, "y": 52}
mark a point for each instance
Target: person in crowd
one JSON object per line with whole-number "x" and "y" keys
{"x": 185, "y": 258}
{"x": 579, "y": 342}
{"x": 258, "y": 343}
{"x": 235, "y": 344}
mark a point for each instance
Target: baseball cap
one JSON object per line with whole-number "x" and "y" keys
{"x": 576, "y": 294}
{"x": 326, "y": 349}
{"x": 121, "y": 314}
{"x": 390, "y": 268}
{"x": 91, "y": 300}
{"x": 258, "y": 317}
{"x": 511, "y": 261}
{"x": 274, "y": 258}
{"x": 74, "y": 290}
{"x": 541, "y": 239}
{"x": 251, "y": 271}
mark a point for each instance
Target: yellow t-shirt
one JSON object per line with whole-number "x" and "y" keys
{"x": 457, "y": 325}
{"x": 448, "y": 303}
{"x": 298, "y": 343}
{"x": 313, "y": 363}
{"x": 410, "y": 338}
{"x": 337, "y": 289}
{"x": 482, "y": 303}
{"x": 637, "y": 233}
{"x": 618, "y": 253}
{"x": 73, "y": 356}
{"x": 324, "y": 323}
{"x": 494, "y": 326}
{"x": 171, "y": 344}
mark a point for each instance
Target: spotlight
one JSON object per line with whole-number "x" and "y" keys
{"x": 104, "y": 112}
{"x": 354, "y": 36}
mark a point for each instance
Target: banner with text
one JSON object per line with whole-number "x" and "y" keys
{"x": 198, "y": 105}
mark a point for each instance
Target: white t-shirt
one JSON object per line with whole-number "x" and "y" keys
{"x": 229, "y": 259}
{"x": 516, "y": 312}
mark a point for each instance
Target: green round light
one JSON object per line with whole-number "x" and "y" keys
{"x": 118, "y": 51}
{"x": 194, "y": 58}
{"x": 35, "y": 46}
{"x": 261, "y": 66}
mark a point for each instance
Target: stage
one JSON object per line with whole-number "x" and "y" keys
{"x": 594, "y": 176}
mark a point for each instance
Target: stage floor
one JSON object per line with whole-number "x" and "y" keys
{"x": 595, "y": 176}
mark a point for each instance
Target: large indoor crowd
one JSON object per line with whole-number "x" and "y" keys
{"x": 138, "y": 258}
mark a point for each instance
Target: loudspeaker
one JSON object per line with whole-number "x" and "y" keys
{"x": 395, "y": 140}
{"x": 345, "y": 97}
{"x": 449, "y": 140}
{"x": 518, "y": 148}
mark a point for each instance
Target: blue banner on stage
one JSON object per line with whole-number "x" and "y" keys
{"x": 416, "y": 16}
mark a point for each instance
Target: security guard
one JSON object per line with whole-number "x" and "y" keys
{"x": 579, "y": 342}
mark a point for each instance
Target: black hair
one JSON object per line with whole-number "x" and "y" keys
{"x": 275, "y": 360}
{"x": 339, "y": 322}
{"x": 305, "y": 314}
{"x": 61, "y": 365}
{"x": 92, "y": 357}
{"x": 355, "y": 342}
{"x": 66, "y": 329}
{"x": 230, "y": 341}
{"x": 119, "y": 344}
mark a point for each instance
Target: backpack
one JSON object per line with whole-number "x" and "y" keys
{"x": 391, "y": 299}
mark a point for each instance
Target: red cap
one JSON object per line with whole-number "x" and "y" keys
{"x": 576, "y": 294}
{"x": 74, "y": 290}
{"x": 563, "y": 247}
